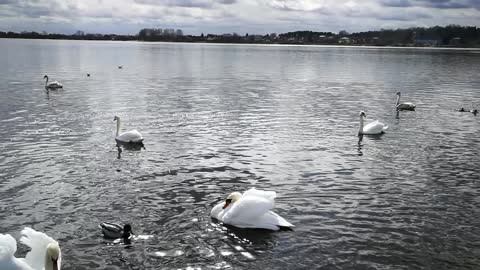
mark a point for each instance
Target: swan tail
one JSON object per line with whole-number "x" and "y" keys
{"x": 38, "y": 243}
{"x": 384, "y": 128}
{"x": 8, "y": 246}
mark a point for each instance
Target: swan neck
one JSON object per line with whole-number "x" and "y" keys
{"x": 398, "y": 100}
{"x": 118, "y": 127}
{"x": 48, "y": 262}
{"x": 360, "y": 131}
{"x": 46, "y": 82}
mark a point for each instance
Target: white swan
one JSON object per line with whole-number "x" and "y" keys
{"x": 131, "y": 136}
{"x": 52, "y": 85}
{"x": 114, "y": 231}
{"x": 373, "y": 128}
{"x": 250, "y": 210}
{"x": 45, "y": 253}
{"x": 407, "y": 106}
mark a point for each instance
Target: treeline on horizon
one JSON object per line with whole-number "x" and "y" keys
{"x": 448, "y": 36}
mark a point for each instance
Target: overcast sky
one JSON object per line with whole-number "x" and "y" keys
{"x": 227, "y": 16}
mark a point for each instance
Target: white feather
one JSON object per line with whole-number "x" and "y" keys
{"x": 38, "y": 243}
{"x": 375, "y": 127}
{"x": 34, "y": 260}
{"x": 130, "y": 136}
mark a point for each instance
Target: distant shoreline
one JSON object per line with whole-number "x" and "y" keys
{"x": 451, "y": 36}
{"x": 268, "y": 44}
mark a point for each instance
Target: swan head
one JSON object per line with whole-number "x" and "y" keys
{"x": 233, "y": 197}
{"x": 45, "y": 77}
{"x": 115, "y": 118}
{"x": 362, "y": 114}
{"x": 398, "y": 94}
{"x": 53, "y": 254}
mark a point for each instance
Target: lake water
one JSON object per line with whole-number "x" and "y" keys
{"x": 223, "y": 118}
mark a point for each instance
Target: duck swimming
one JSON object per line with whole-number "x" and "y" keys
{"x": 114, "y": 230}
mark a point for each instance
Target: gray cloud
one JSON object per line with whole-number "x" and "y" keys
{"x": 437, "y": 4}
{"x": 218, "y": 16}
{"x": 185, "y": 3}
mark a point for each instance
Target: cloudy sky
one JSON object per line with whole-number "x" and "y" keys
{"x": 227, "y": 16}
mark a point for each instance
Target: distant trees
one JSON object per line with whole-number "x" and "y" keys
{"x": 159, "y": 34}
{"x": 451, "y": 36}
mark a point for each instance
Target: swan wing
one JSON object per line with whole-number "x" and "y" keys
{"x": 8, "y": 247}
{"x": 130, "y": 136}
{"x": 54, "y": 84}
{"x": 246, "y": 211}
{"x": 375, "y": 127}
{"x": 406, "y": 106}
{"x": 272, "y": 221}
{"x": 215, "y": 213}
{"x": 253, "y": 192}
{"x": 38, "y": 243}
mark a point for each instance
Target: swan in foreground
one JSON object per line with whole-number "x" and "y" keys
{"x": 250, "y": 210}
{"x": 406, "y": 106}
{"x": 52, "y": 85}
{"x": 45, "y": 252}
{"x": 373, "y": 128}
{"x": 114, "y": 231}
{"x": 131, "y": 136}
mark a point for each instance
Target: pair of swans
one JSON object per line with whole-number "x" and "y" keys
{"x": 378, "y": 127}
{"x": 52, "y": 85}
{"x": 252, "y": 209}
{"x": 45, "y": 253}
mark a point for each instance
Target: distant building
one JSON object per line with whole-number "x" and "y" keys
{"x": 455, "y": 41}
{"x": 426, "y": 42}
{"x": 345, "y": 40}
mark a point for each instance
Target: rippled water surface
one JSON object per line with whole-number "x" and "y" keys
{"x": 223, "y": 118}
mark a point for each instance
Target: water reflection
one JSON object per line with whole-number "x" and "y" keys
{"x": 223, "y": 118}
{"x": 128, "y": 146}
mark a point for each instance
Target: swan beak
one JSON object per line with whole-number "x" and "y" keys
{"x": 55, "y": 264}
{"x": 227, "y": 203}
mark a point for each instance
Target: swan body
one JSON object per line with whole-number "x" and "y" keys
{"x": 114, "y": 230}
{"x": 372, "y": 128}
{"x": 45, "y": 253}
{"x": 252, "y": 209}
{"x": 131, "y": 136}
{"x": 405, "y": 106}
{"x": 52, "y": 85}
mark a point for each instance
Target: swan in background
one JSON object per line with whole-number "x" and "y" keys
{"x": 373, "y": 128}
{"x": 250, "y": 210}
{"x": 52, "y": 85}
{"x": 45, "y": 253}
{"x": 114, "y": 231}
{"x": 406, "y": 106}
{"x": 131, "y": 136}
